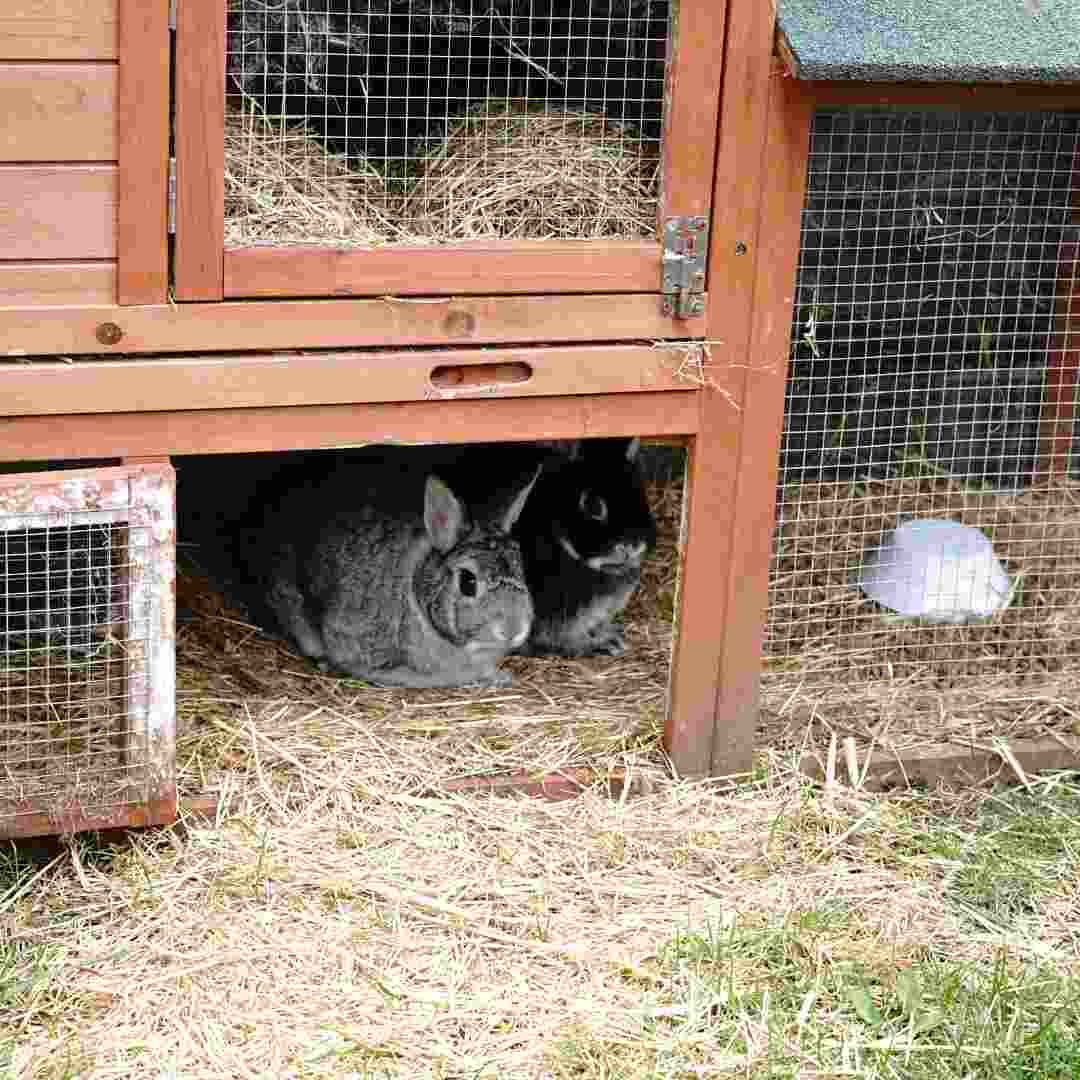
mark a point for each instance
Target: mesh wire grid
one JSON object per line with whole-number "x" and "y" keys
{"x": 431, "y": 121}
{"x": 70, "y": 627}
{"x": 930, "y": 378}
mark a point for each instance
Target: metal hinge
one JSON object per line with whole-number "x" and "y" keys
{"x": 172, "y": 14}
{"x": 686, "y": 248}
{"x": 170, "y": 197}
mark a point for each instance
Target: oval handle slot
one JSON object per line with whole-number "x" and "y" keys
{"x": 464, "y": 376}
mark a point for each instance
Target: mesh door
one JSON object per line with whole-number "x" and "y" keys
{"x": 434, "y": 121}
{"x": 86, "y": 668}
{"x": 933, "y": 376}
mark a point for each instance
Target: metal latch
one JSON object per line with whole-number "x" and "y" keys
{"x": 170, "y": 197}
{"x": 686, "y": 248}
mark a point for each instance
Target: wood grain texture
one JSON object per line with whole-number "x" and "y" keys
{"x": 58, "y": 30}
{"x": 28, "y": 438}
{"x": 57, "y": 211}
{"x": 142, "y": 180}
{"x": 980, "y": 97}
{"x": 200, "y": 149}
{"x": 67, "y": 283}
{"x": 704, "y": 734}
{"x": 329, "y": 324}
{"x": 510, "y": 267}
{"x": 783, "y": 191}
{"x": 693, "y": 95}
{"x": 166, "y": 384}
{"x": 58, "y": 111}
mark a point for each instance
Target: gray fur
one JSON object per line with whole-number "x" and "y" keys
{"x": 364, "y": 573}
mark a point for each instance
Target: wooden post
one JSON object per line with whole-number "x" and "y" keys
{"x": 1058, "y": 414}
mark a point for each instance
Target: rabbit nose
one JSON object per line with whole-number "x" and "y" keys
{"x": 631, "y": 553}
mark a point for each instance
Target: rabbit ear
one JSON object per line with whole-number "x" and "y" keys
{"x": 444, "y": 516}
{"x": 517, "y": 504}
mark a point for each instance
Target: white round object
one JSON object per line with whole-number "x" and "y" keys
{"x": 938, "y": 570}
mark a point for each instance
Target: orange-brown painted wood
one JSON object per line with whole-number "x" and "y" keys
{"x": 56, "y": 283}
{"x": 235, "y": 382}
{"x": 693, "y": 95}
{"x": 719, "y": 738}
{"x": 200, "y": 149}
{"x": 58, "y": 211}
{"x": 329, "y": 324}
{"x": 58, "y": 111}
{"x": 508, "y": 267}
{"x": 142, "y": 180}
{"x": 211, "y": 431}
{"x": 762, "y": 396}
{"x": 206, "y": 273}
{"x": 58, "y": 30}
{"x": 1058, "y": 414}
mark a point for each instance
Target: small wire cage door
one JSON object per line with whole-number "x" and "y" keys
{"x": 925, "y": 578}
{"x": 87, "y": 669}
{"x": 445, "y": 146}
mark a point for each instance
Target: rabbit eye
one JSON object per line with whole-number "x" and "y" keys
{"x": 467, "y": 582}
{"x": 592, "y": 506}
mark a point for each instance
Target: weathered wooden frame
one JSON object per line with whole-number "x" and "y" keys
{"x": 205, "y": 270}
{"x": 142, "y": 498}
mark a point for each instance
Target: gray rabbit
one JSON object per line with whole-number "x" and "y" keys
{"x": 379, "y": 572}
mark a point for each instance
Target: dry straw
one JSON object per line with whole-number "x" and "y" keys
{"x": 282, "y": 186}
{"x": 512, "y": 170}
{"x": 832, "y": 656}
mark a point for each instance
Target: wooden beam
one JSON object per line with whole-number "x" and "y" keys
{"x": 330, "y": 324}
{"x": 212, "y": 431}
{"x": 142, "y": 176}
{"x": 200, "y": 149}
{"x": 511, "y": 266}
{"x": 762, "y": 394}
{"x": 234, "y": 382}
{"x": 949, "y": 765}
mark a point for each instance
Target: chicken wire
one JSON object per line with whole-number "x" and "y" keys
{"x": 430, "y": 121}
{"x": 86, "y": 686}
{"x": 934, "y": 345}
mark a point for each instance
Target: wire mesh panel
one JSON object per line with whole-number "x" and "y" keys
{"x": 86, "y": 664}
{"x": 925, "y": 579}
{"x": 432, "y": 121}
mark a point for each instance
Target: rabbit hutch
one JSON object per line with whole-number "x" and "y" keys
{"x": 235, "y": 227}
{"x": 931, "y": 392}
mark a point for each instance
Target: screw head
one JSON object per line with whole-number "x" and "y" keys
{"x": 108, "y": 333}
{"x": 740, "y": 248}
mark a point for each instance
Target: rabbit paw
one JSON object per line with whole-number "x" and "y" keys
{"x": 498, "y": 679}
{"x": 606, "y": 642}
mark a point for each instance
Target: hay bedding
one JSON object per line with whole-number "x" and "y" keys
{"x": 833, "y": 657}
{"x": 503, "y": 171}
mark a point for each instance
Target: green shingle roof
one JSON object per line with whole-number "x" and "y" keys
{"x": 963, "y": 41}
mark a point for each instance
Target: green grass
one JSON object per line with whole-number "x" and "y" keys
{"x": 795, "y": 999}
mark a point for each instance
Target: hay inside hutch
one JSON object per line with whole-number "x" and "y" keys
{"x": 935, "y": 342}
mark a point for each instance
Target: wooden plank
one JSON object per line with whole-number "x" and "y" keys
{"x": 58, "y": 211}
{"x": 764, "y": 369}
{"x": 55, "y": 111}
{"x": 42, "y": 438}
{"x": 536, "y": 266}
{"x": 954, "y": 766}
{"x": 54, "y": 388}
{"x": 54, "y": 283}
{"x": 58, "y": 30}
{"x": 693, "y": 96}
{"x": 981, "y": 97}
{"x": 142, "y": 180}
{"x": 702, "y": 735}
{"x": 200, "y": 149}
{"x": 1057, "y": 416}
{"x": 329, "y": 324}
